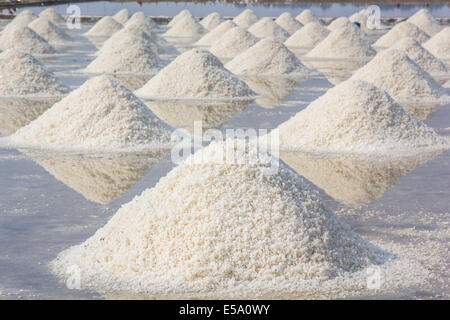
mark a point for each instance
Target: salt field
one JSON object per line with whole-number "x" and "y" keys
{"x": 350, "y": 200}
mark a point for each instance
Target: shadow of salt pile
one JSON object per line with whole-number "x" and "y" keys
{"x": 99, "y": 178}
{"x": 353, "y": 180}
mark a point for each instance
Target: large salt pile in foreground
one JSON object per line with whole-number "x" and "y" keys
{"x": 288, "y": 23}
{"x": 403, "y": 79}
{"x": 105, "y": 27}
{"x": 122, "y": 16}
{"x": 421, "y": 56}
{"x": 186, "y": 27}
{"x": 241, "y": 233}
{"x": 400, "y": 31}
{"x": 439, "y": 45}
{"x": 426, "y": 22}
{"x": 267, "y": 57}
{"x": 48, "y": 31}
{"x": 215, "y": 33}
{"x": 355, "y": 116}
{"x": 52, "y": 16}
{"x": 245, "y": 19}
{"x": 195, "y": 74}
{"x": 211, "y": 21}
{"x": 306, "y": 16}
{"x": 100, "y": 115}
{"x": 232, "y": 43}
{"x": 21, "y": 74}
{"x": 24, "y": 39}
{"x": 180, "y": 16}
{"x": 267, "y": 28}
{"x": 308, "y": 36}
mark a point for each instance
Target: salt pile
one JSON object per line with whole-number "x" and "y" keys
{"x": 245, "y": 19}
{"x": 215, "y": 33}
{"x": 139, "y": 22}
{"x": 403, "y": 79}
{"x": 400, "y": 31}
{"x": 232, "y": 43}
{"x": 141, "y": 19}
{"x": 21, "y": 74}
{"x": 48, "y": 31}
{"x": 306, "y": 16}
{"x": 288, "y": 23}
{"x": 195, "y": 74}
{"x": 52, "y": 16}
{"x": 439, "y": 45}
{"x": 105, "y": 27}
{"x": 267, "y": 28}
{"x": 26, "y": 40}
{"x": 100, "y": 115}
{"x": 308, "y": 36}
{"x": 421, "y": 56}
{"x": 186, "y": 27}
{"x": 122, "y": 16}
{"x": 426, "y": 22}
{"x": 242, "y": 232}
{"x": 180, "y": 16}
{"x": 343, "y": 43}
{"x": 211, "y": 21}
{"x": 355, "y": 116}
{"x": 339, "y": 23}
{"x": 21, "y": 20}
{"x": 361, "y": 17}
{"x": 267, "y": 57}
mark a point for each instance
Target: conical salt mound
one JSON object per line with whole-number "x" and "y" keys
{"x": 267, "y": 57}
{"x": 211, "y": 21}
{"x": 232, "y": 43}
{"x": 26, "y": 40}
{"x": 180, "y": 16}
{"x": 122, "y": 16}
{"x": 52, "y": 16}
{"x": 242, "y": 232}
{"x": 343, "y": 43}
{"x": 21, "y": 74}
{"x": 357, "y": 117}
{"x": 140, "y": 19}
{"x": 426, "y": 22}
{"x": 267, "y": 28}
{"x": 48, "y": 31}
{"x": 421, "y": 56}
{"x": 100, "y": 115}
{"x": 401, "y": 30}
{"x": 341, "y": 22}
{"x": 439, "y": 45}
{"x": 308, "y": 36}
{"x": 186, "y": 27}
{"x": 195, "y": 74}
{"x": 23, "y": 19}
{"x": 245, "y": 19}
{"x": 306, "y": 16}
{"x": 361, "y": 17}
{"x": 288, "y": 23}
{"x": 215, "y": 33}
{"x": 105, "y": 27}
{"x": 403, "y": 79}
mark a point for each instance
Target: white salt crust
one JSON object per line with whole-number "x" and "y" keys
{"x": 52, "y": 16}
{"x": 21, "y": 75}
{"x": 308, "y": 36}
{"x": 306, "y": 16}
{"x": 400, "y": 31}
{"x": 267, "y": 57}
{"x": 267, "y": 28}
{"x": 211, "y": 21}
{"x": 180, "y": 16}
{"x": 24, "y": 39}
{"x": 98, "y": 116}
{"x": 439, "y": 44}
{"x": 288, "y": 23}
{"x": 213, "y": 35}
{"x": 49, "y": 32}
{"x": 195, "y": 74}
{"x": 186, "y": 27}
{"x": 122, "y": 16}
{"x": 245, "y": 19}
{"x": 426, "y": 22}
{"x": 402, "y": 78}
{"x": 357, "y": 117}
{"x": 232, "y": 43}
{"x": 105, "y": 27}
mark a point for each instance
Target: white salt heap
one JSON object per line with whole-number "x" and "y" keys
{"x": 211, "y": 21}
{"x": 308, "y": 36}
{"x": 48, "y": 31}
{"x": 24, "y": 39}
{"x": 21, "y": 74}
{"x": 288, "y": 23}
{"x": 212, "y": 36}
{"x": 421, "y": 56}
{"x": 195, "y": 74}
{"x": 122, "y": 16}
{"x": 267, "y": 28}
{"x": 105, "y": 27}
{"x": 439, "y": 45}
{"x": 100, "y": 115}
{"x": 426, "y": 22}
{"x": 232, "y": 43}
{"x": 23, "y": 19}
{"x": 245, "y": 19}
{"x": 356, "y": 116}
{"x": 361, "y": 17}
{"x": 343, "y": 43}
{"x": 403, "y": 79}
{"x": 52, "y": 16}
{"x": 306, "y": 16}
{"x": 141, "y": 23}
{"x": 342, "y": 22}
{"x": 141, "y": 19}
{"x": 180, "y": 16}
{"x": 267, "y": 57}
{"x": 186, "y": 27}
{"x": 241, "y": 233}
{"x": 400, "y": 31}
